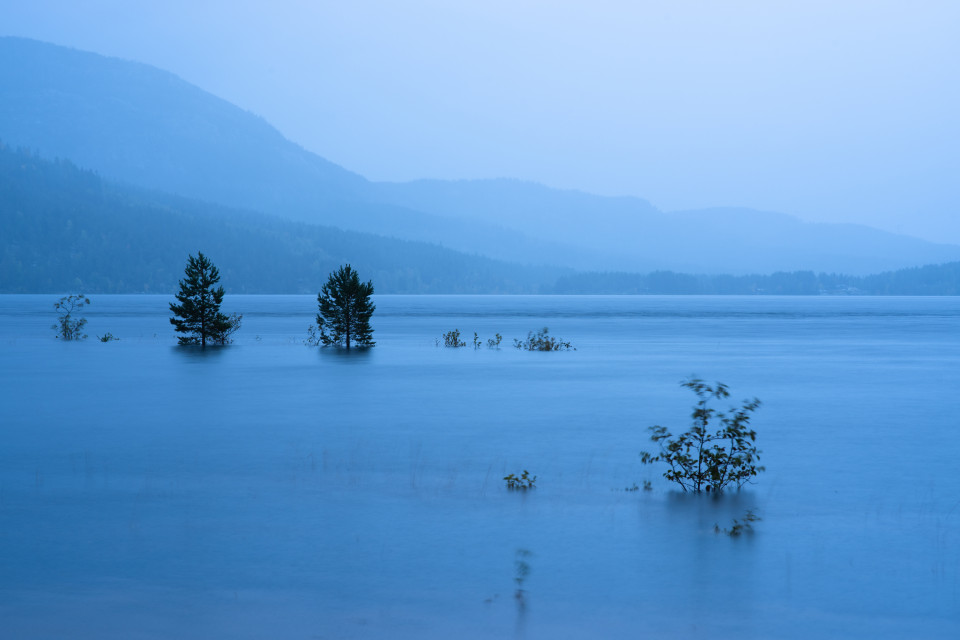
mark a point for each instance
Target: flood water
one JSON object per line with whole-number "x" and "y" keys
{"x": 273, "y": 490}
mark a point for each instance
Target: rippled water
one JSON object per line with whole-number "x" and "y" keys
{"x": 271, "y": 490}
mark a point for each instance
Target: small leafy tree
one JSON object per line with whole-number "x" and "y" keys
{"x": 68, "y": 327}
{"x": 345, "y": 310}
{"x": 198, "y": 315}
{"x": 707, "y": 457}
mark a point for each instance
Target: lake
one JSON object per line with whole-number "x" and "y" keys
{"x": 272, "y": 490}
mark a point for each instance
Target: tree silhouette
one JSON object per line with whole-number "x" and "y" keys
{"x": 198, "y": 314}
{"x": 345, "y": 309}
{"x": 68, "y": 327}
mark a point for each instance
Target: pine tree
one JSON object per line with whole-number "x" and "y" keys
{"x": 198, "y": 314}
{"x": 345, "y": 309}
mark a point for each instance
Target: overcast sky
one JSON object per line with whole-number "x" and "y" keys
{"x": 838, "y": 110}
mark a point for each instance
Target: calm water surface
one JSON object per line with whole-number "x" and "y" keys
{"x": 271, "y": 490}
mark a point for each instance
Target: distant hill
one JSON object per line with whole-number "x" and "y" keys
{"x": 135, "y": 124}
{"x": 65, "y": 229}
{"x": 632, "y": 235}
{"x": 928, "y": 280}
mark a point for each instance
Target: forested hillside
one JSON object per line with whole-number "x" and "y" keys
{"x": 63, "y": 229}
{"x": 66, "y": 229}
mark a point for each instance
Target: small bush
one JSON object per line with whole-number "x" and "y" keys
{"x": 702, "y": 459}
{"x": 522, "y": 483}
{"x": 494, "y": 342}
{"x": 313, "y": 336}
{"x": 107, "y": 337}
{"x": 68, "y": 327}
{"x": 646, "y": 486}
{"x": 542, "y": 341}
{"x": 452, "y": 339}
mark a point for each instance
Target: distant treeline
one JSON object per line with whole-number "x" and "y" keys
{"x": 64, "y": 229}
{"x": 931, "y": 280}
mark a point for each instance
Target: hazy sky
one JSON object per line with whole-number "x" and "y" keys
{"x": 831, "y": 110}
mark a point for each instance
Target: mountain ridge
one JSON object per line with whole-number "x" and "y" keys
{"x": 140, "y": 125}
{"x": 64, "y": 229}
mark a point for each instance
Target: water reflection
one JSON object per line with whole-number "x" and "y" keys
{"x": 351, "y": 355}
{"x": 196, "y": 353}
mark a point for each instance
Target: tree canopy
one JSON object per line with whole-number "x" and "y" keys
{"x": 345, "y": 309}
{"x": 198, "y": 315}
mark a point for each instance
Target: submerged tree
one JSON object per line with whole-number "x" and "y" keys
{"x": 709, "y": 458}
{"x": 345, "y": 310}
{"x": 198, "y": 315}
{"x": 68, "y": 327}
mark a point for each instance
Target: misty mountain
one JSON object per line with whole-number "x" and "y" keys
{"x": 65, "y": 229}
{"x": 632, "y": 235}
{"x": 141, "y": 125}
{"x": 136, "y": 124}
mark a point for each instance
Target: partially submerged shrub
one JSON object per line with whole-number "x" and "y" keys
{"x": 646, "y": 486}
{"x": 68, "y": 327}
{"x": 452, "y": 339}
{"x": 107, "y": 337}
{"x": 705, "y": 459}
{"x": 542, "y": 341}
{"x": 522, "y": 483}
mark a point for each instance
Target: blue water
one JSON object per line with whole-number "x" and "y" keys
{"x": 272, "y": 490}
